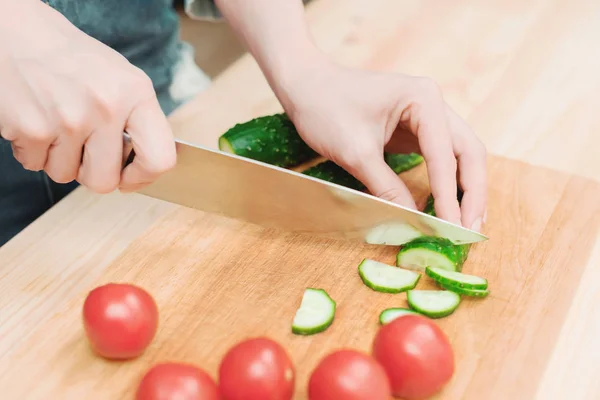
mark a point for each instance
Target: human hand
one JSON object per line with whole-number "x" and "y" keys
{"x": 350, "y": 116}
{"x": 66, "y": 99}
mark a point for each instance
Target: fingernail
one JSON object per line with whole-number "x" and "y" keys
{"x": 476, "y": 225}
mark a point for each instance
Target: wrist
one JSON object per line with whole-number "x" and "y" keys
{"x": 292, "y": 67}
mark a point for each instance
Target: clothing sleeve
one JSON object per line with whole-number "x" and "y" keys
{"x": 205, "y": 10}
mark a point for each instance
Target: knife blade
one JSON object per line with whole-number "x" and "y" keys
{"x": 258, "y": 193}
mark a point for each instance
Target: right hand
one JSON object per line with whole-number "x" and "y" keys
{"x": 66, "y": 99}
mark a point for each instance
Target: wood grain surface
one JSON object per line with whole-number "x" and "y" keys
{"x": 218, "y": 281}
{"x": 523, "y": 74}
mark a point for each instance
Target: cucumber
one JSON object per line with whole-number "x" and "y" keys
{"x": 433, "y": 303}
{"x": 429, "y": 204}
{"x": 392, "y": 234}
{"x": 456, "y": 279}
{"x": 390, "y": 314}
{"x": 315, "y": 314}
{"x": 399, "y": 162}
{"x": 386, "y": 278}
{"x": 429, "y": 251}
{"x": 331, "y": 172}
{"x": 465, "y": 291}
{"x": 272, "y": 139}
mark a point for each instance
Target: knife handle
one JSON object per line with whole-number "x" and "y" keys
{"x": 128, "y": 152}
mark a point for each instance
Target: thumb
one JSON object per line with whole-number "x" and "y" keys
{"x": 382, "y": 181}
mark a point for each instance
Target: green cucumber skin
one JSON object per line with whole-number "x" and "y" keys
{"x": 408, "y": 311}
{"x": 272, "y": 139}
{"x": 382, "y": 289}
{"x": 333, "y": 173}
{"x": 312, "y": 331}
{"x": 461, "y": 251}
{"x": 432, "y": 315}
{"x": 464, "y": 291}
{"x": 429, "y": 204}
{"x": 402, "y": 162}
{"x": 453, "y": 284}
{"x": 455, "y": 253}
{"x": 320, "y": 328}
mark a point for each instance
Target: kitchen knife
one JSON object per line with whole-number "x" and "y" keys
{"x": 237, "y": 187}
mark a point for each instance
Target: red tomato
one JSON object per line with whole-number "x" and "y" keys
{"x": 348, "y": 375}
{"x": 416, "y": 355}
{"x": 170, "y": 381}
{"x": 257, "y": 369}
{"x": 120, "y": 320}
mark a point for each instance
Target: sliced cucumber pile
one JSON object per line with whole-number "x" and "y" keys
{"x": 315, "y": 314}
{"x": 429, "y": 251}
{"x": 274, "y": 139}
{"x": 433, "y": 303}
{"x": 390, "y": 314}
{"x": 465, "y": 291}
{"x": 456, "y": 279}
{"x": 387, "y": 278}
{"x": 426, "y": 251}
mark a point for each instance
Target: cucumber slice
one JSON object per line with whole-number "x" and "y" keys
{"x": 392, "y": 234}
{"x": 465, "y": 291}
{"x": 456, "y": 279}
{"x": 315, "y": 314}
{"x": 386, "y": 278}
{"x": 433, "y": 303}
{"x": 429, "y": 251}
{"x": 390, "y": 314}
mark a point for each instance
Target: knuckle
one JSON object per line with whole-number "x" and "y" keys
{"x": 357, "y": 157}
{"x": 427, "y": 87}
{"x": 73, "y": 122}
{"x": 38, "y": 130}
{"x": 30, "y": 165}
{"x": 141, "y": 82}
{"x": 103, "y": 186}
{"x": 61, "y": 175}
{"x": 162, "y": 164}
{"x": 391, "y": 194}
{"x": 108, "y": 106}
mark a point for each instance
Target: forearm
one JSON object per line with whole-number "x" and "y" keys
{"x": 275, "y": 33}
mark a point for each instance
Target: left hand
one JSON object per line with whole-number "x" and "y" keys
{"x": 350, "y": 116}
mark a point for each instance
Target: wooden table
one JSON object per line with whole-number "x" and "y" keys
{"x": 524, "y": 75}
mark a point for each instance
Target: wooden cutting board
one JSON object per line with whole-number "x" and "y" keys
{"x": 218, "y": 281}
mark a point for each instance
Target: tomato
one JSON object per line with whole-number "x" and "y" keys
{"x": 348, "y": 375}
{"x": 257, "y": 369}
{"x": 417, "y": 356}
{"x": 120, "y": 320}
{"x": 169, "y": 381}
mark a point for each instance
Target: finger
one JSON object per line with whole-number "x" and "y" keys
{"x": 472, "y": 171}
{"x": 381, "y": 181}
{"x": 153, "y": 143}
{"x": 100, "y": 169}
{"x": 24, "y": 120}
{"x": 427, "y": 119}
{"x": 31, "y": 155}
{"x": 64, "y": 158}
